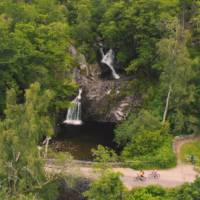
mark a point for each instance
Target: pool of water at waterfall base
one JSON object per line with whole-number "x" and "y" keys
{"x": 80, "y": 139}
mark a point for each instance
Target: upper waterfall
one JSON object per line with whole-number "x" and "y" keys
{"x": 74, "y": 112}
{"x": 108, "y": 59}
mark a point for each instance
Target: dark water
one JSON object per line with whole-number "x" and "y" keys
{"x": 79, "y": 140}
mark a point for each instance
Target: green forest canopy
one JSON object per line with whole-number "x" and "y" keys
{"x": 155, "y": 41}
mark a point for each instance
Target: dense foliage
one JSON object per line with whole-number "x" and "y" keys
{"x": 104, "y": 188}
{"x": 34, "y": 47}
{"x": 103, "y": 156}
{"x": 108, "y": 187}
{"x": 21, "y": 131}
{"x": 156, "y": 43}
{"x": 150, "y": 150}
{"x": 146, "y": 141}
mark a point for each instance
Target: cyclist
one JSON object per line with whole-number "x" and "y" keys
{"x": 141, "y": 175}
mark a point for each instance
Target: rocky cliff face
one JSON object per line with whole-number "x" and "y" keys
{"x": 103, "y": 99}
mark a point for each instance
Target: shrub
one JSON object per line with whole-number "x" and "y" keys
{"x": 144, "y": 143}
{"x": 144, "y": 121}
{"x": 159, "y": 155}
{"x": 150, "y": 193}
{"x": 103, "y": 156}
{"x": 109, "y": 187}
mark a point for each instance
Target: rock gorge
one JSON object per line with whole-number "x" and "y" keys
{"x": 104, "y": 98}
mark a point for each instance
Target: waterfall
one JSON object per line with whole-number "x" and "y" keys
{"x": 74, "y": 113}
{"x": 108, "y": 59}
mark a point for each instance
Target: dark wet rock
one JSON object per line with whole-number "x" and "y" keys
{"x": 104, "y": 99}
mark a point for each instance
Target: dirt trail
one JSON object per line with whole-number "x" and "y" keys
{"x": 177, "y": 176}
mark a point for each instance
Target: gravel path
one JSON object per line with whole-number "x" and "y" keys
{"x": 168, "y": 178}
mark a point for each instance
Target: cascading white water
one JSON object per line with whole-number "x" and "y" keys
{"x": 74, "y": 113}
{"x": 108, "y": 59}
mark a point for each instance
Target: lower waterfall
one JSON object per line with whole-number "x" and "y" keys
{"x": 74, "y": 113}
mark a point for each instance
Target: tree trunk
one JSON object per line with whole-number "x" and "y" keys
{"x": 46, "y": 146}
{"x": 167, "y": 104}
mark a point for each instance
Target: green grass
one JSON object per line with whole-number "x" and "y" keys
{"x": 59, "y": 156}
{"x": 191, "y": 148}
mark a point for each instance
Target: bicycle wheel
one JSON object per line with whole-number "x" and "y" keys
{"x": 151, "y": 176}
{"x": 157, "y": 176}
{"x": 137, "y": 178}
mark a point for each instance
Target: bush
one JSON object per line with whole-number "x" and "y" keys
{"x": 143, "y": 143}
{"x": 108, "y": 187}
{"x": 159, "y": 155}
{"x": 146, "y": 142}
{"x": 150, "y": 193}
{"x": 188, "y": 191}
{"x": 135, "y": 124}
{"x": 103, "y": 156}
{"x": 50, "y": 191}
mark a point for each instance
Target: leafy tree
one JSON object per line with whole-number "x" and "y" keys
{"x": 103, "y": 155}
{"x": 34, "y": 47}
{"x": 139, "y": 25}
{"x": 150, "y": 192}
{"x": 195, "y": 53}
{"x": 144, "y": 143}
{"x": 142, "y": 195}
{"x": 21, "y": 130}
{"x": 136, "y": 124}
{"x": 109, "y": 186}
{"x": 176, "y": 75}
{"x": 188, "y": 191}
